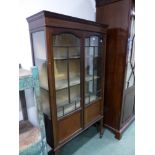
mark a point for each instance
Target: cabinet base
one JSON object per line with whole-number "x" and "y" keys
{"x": 53, "y": 153}
{"x": 118, "y": 133}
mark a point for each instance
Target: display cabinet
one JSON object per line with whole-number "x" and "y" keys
{"x": 32, "y": 140}
{"x": 70, "y": 55}
{"x": 119, "y": 108}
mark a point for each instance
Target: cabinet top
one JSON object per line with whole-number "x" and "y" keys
{"x": 47, "y": 18}
{"x": 105, "y": 2}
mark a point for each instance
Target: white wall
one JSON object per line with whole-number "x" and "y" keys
{"x": 77, "y": 8}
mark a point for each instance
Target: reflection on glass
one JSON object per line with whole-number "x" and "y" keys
{"x": 92, "y": 72}
{"x": 62, "y": 97}
{"x": 60, "y": 53}
{"x": 60, "y": 72}
{"x": 74, "y": 72}
{"x": 75, "y": 93}
{"x": 74, "y": 52}
{"x": 66, "y": 49}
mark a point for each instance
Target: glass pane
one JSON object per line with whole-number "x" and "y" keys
{"x": 65, "y": 40}
{"x": 40, "y": 58}
{"x": 60, "y": 72}
{"x": 74, "y": 71}
{"x": 62, "y": 97}
{"x": 45, "y": 101}
{"x": 130, "y": 73}
{"x": 66, "y": 49}
{"x": 74, "y": 52}
{"x": 89, "y": 62}
{"x": 60, "y": 53}
{"x": 94, "y": 41}
{"x": 38, "y": 39}
{"x": 92, "y": 69}
{"x": 75, "y": 95}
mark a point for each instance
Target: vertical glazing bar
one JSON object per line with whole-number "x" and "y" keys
{"x": 75, "y": 104}
{"x": 63, "y": 109}
{"x": 93, "y": 67}
{"x": 68, "y": 77}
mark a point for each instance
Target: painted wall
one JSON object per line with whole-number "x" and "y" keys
{"x": 77, "y": 8}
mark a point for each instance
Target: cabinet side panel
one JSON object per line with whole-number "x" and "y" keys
{"x": 116, "y": 15}
{"x": 115, "y": 60}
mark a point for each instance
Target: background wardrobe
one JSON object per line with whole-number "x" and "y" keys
{"x": 120, "y": 77}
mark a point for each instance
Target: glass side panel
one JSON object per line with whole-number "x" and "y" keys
{"x": 39, "y": 44}
{"x": 40, "y": 59}
{"x": 130, "y": 73}
{"x": 92, "y": 69}
{"x": 66, "y": 49}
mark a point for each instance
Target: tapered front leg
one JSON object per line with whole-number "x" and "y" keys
{"x": 101, "y": 128}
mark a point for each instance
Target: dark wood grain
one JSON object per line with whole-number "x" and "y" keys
{"x": 92, "y": 112}
{"x": 59, "y": 131}
{"x": 69, "y": 126}
{"x": 118, "y": 109}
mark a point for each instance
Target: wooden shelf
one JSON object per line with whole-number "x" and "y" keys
{"x": 63, "y": 84}
{"x": 65, "y": 58}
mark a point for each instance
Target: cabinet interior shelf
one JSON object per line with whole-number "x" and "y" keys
{"x": 72, "y": 46}
{"x": 65, "y": 58}
{"x": 63, "y": 84}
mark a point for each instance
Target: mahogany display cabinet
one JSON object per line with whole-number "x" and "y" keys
{"x": 119, "y": 108}
{"x": 70, "y": 55}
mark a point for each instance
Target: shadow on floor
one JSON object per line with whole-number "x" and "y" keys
{"x": 79, "y": 141}
{"x": 89, "y": 143}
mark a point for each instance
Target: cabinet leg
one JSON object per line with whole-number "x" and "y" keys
{"x": 118, "y": 135}
{"x": 54, "y": 152}
{"x": 101, "y": 128}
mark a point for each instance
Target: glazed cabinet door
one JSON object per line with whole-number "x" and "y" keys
{"x": 67, "y": 73}
{"x": 93, "y": 78}
{"x": 66, "y": 53}
{"x": 129, "y": 90}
